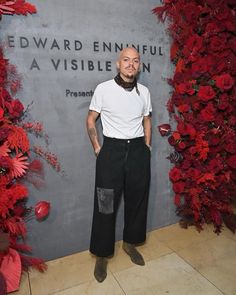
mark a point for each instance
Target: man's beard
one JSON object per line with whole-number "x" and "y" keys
{"x": 130, "y": 76}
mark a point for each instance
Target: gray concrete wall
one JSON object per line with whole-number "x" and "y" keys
{"x": 72, "y": 60}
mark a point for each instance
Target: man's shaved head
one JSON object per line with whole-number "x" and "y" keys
{"x": 128, "y": 64}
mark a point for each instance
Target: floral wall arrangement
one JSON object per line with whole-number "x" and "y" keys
{"x": 203, "y": 106}
{"x": 17, "y": 169}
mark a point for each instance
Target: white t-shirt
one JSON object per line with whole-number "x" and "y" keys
{"x": 121, "y": 111}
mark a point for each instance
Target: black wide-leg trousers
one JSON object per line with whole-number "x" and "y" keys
{"x": 123, "y": 166}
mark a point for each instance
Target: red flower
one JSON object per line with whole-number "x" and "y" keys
{"x": 186, "y": 87}
{"x": 222, "y": 12}
{"x": 224, "y": 82}
{"x": 230, "y": 147}
{"x": 213, "y": 140}
{"x": 191, "y": 12}
{"x": 223, "y": 102}
{"x": 164, "y": 129}
{"x": 231, "y": 161}
{"x": 181, "y": 146}
{"x": 42, "y": 209}
{"x": 192, "y": 173}
{"x": 194, "y": 43}
{"x": 177, "y": 200}
{"x": 232, "y": 43}
{"x": 217, "y": 44}
{"x": 1, "y": 113}
{"x": 186, "y": 129}
{"x": 215, "y": 165}
{"x": 212, "y": 29}
{"x": 206, "y": 93}
{"x": 171, "y": 140}
{"x": 175, "y": 174}
{"x": 208, "y": 113}
{"x": 178, "y": 187}
{"x": 183, "y": 108}
{"x": 15, "y": 108}
{"x": 199, "y": 67}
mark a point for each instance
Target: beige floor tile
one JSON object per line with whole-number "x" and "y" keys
{"x": 152, "y": 249}
{"x": 228, "y": 233}
{"x": 166, "y": 275}
{"x": 24, "y": 286}
{"x": 63, "y": 273}
{"x": 108, "y": 287}
{"x": 216, "y": 260}
{"x": 177, "y": 238}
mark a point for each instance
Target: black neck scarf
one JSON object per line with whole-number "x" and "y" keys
{"x": 129, "y": 86}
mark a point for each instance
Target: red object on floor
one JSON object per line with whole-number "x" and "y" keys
{"x": 11, "y": 270}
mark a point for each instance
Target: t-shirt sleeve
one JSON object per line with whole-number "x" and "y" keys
{"x": 96, "y": 101}
{"x": 148, "y": 106}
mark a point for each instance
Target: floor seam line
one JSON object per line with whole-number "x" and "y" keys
{"x": 201, "y": 274}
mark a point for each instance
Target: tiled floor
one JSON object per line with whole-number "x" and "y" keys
{"x": 178, "y": 262}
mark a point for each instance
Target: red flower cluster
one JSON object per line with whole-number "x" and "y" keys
{"x": 204, "y": 105}
{"x": 16, "y": 7}
{"x": 14, "y": 166}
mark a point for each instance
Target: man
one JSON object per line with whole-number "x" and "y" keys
{"x": 123, "y": 162}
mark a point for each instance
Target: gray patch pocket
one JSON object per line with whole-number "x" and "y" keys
{"x": 105, "y": 200}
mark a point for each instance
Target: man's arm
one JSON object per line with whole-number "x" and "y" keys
{"x": 147, "y": 127}
{"x": 92, "y": 131}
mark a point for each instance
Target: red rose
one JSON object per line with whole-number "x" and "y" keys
{"x": 15, "y": 108}
{"x": 175, "y": 174}
{"x": 171, "y": 140}
{"x": 213, "y": 140}
{"x": 231, "y": 161}
{"x": 215, "y": 165}
{"x": 229, "y": 24}
{"x": 219, "y": 66}
{"x": 193, "y": 173}
{"x": 212, "y": 29}
{"x": 180, "y": 146}
{"x": 206, "y": 93}
{"x": 230, "y": 147}
{"x": 208, "y": 113}
{"x": 176, "y": 135}
{"x": 178, "y": 187}
{"x": 183, "y": 108}
{"x": 223, "y": 102}
{"x": 185, "y": 164}
{"x": 199, "y": 67}
{"x": 186, "y": 87}
{"x": 217, "y": 44}
{"x": 222, "y": 12}
{"x": 232, "y": 43}
{"x": 191, "y": 12}
{"x": 224, "y": 82}
{"x": 186, "y": 129}
{"x": 196, "y": 106}
{"x": 232, "y": 120}
{"x": 194, "y": 43}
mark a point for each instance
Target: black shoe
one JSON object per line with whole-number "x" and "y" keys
{"x": 100, "y": 270}
{"x": 134, "y": 255}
